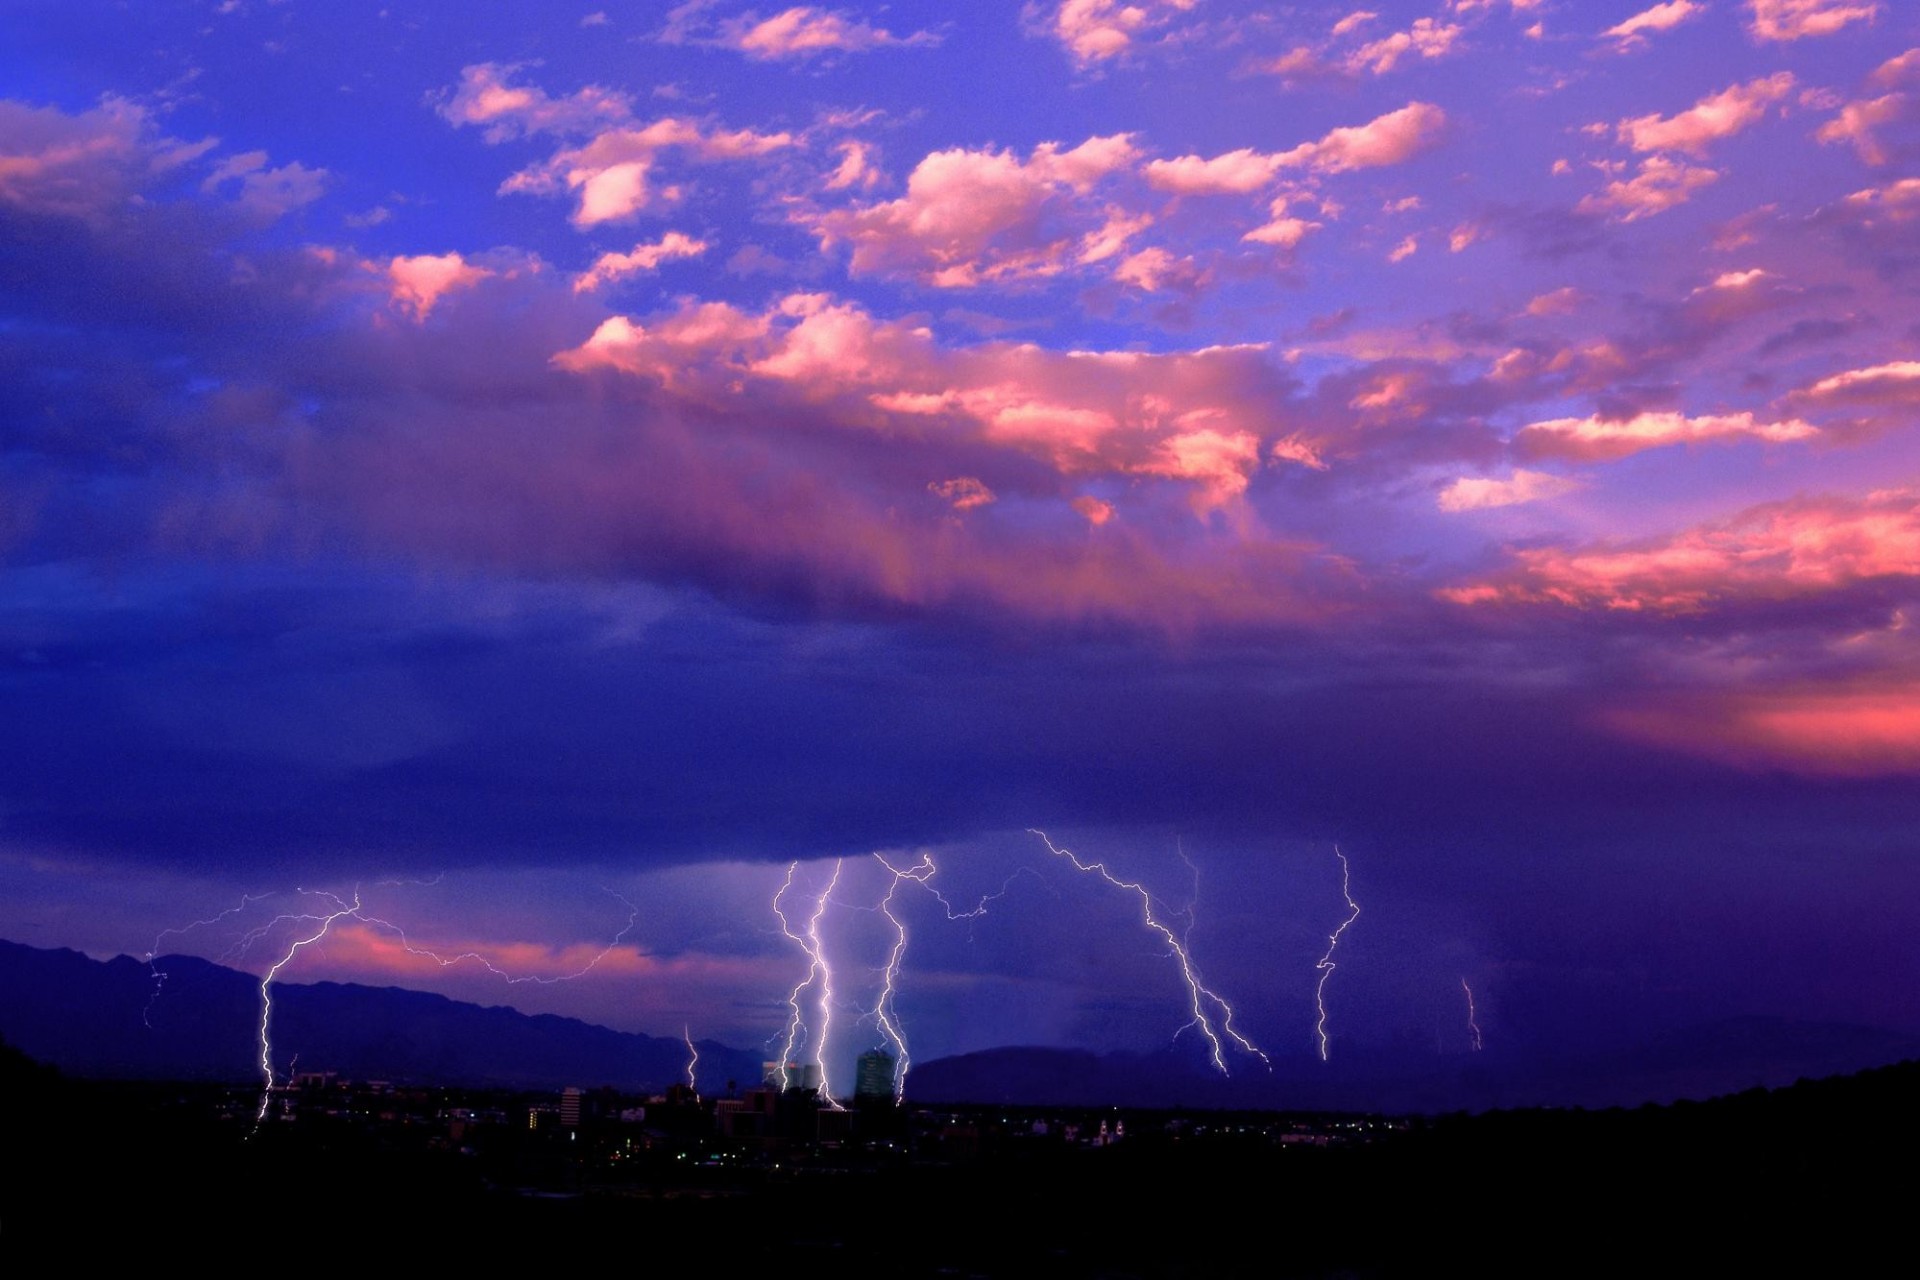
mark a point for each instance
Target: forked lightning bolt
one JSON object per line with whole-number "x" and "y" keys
{"x": 885, "y": 1011}
{"x": 818, "y": 970}
{"x": 153, "y": 953}
{"x": 1326, "y": 965}
{"x": 324, "y": 923}
{"x": 1200, "y": 997}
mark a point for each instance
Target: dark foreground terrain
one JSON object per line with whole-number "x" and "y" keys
{"x": 1813, "y": 1179}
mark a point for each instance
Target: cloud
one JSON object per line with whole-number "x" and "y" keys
{"x": 1197, "y": 418}
{"x": 1894, "y": 383}
{"x": 1779, "y": 551}
{"x": 963, "y": 493}
{"x": 1859, "y": 727}
{"x": 1233, "y": 173}
{"x": 611, "y": 173}
{"x": 485, "y": 98}
{"x": 806, "y": 32}
{"x": 1094, "y": 31}
{"x": 1717, "y": 116}
{"x": 1793, "y": 19}
{"x": 1394, "y": 138}
{"x": 609, "y": 267}
{"x": 1470, "y": 493}
{"x": 1661, "y": 184}
{"x": 974, "y": 217}
{"x": 85, "y": 165}
{"x": 1559, "y": 302}
{"x": 1661, "y": 17}
{"x": 1858, "y": 121}
{"x": 1283, "y": 230}
{"x": 1427, "y": 38}
{"x": 418, "y": 283}
{"x": 1600, "y": 439}
{"x": 267, "y": 194}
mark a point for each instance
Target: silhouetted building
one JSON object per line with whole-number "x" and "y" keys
{"x": 873, "y": 1076}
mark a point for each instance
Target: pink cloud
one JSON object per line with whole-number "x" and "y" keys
{"x": 963, "y": 493}
{"x": 1598, "y": 439}
{"x": 1898, "y": 70}
{"x": 419, "y": 282}
{"x": 611, "y": 172}
{"x": 1858, "y": 121}
{"x": 1661, "y": 17}
{"x": 1661, "y": 184}
{"x": 1793, "y": 19}
{"x": 972, "y": 217}
{"x": 855, "y": 169}
{"x": 1858, "y": 727}
{"x": 1427, "y": 38}
{"x": 805, "y": 31}
{"x": 1283, "y": 229}
{"x": 1233, "y": 173}
{"x": 1393, "y": 138}
{"x": 609, "y": 267}
{"x": 1095, "y": 511}
{"x": 1897, "y": 202}
{"x": 1154, "y": 269}
{"x": 1201, "y": 418}
{"x": 485, "y": 98}
{"x": 1474, "y": 493}
{"x": 1559, "y": 302}
{"x": 1094, "y": 31}
{"x": 1894, "y": 383}
{"x": 83, "y": 165}
{"x": 1773, "y": 552}
{"x": 1716, "y": 116}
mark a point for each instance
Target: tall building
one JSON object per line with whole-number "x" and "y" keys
{"x": 873, "y": 1076}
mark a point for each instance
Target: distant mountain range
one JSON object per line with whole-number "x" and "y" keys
{"x": 110, "y": 1020}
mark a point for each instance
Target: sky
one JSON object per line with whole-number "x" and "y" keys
{"x": 575, "y": 474}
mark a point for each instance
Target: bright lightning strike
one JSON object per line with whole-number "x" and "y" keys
{"x": 1326, "y": 965}
{"x": 885, "y": 1011}
{"x": 325, "y": 922}
{"x": 818, "y": 970}
{"x": 1473, "y": 1024}
{"x": 693, "y": 1060}
{"x": 1200, "y": 997}
{"x": 314, "y": 925}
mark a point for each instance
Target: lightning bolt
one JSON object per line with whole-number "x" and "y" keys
{"x": 1200, "y": 997}
{"x": 693, "y": 1059}
{"x": 153, "y": 953}
{"x": 1473, "y": 1025}
{"x": 323, "y": 924}
{"x": 314, "y": 924}
{"x": 885, "y": 1011}
{"x": 818, "y": 970}
{"x": 1326, "y": 965}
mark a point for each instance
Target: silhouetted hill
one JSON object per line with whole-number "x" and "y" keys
{"x": 111, "y": 1020}
{"x": 1697, "y": 1062}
